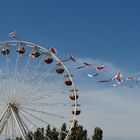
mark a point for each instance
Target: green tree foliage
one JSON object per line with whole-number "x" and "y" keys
{"x": 16, "y": 139}
{"x": 54, "y": 134}
{"x": 98, "y": 134}
{"x": 30, "y": 135}
{"x": 39, "y": 134}
{"x": 63, "y": 129}
{"x": 78, "y": 133}
{"x": 48, "y": 132}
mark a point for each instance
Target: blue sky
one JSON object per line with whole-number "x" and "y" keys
{"x": 106, "y": 31}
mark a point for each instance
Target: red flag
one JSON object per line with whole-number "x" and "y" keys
{"x": 118, "y": 77}
{"x": 53, "y": 50}
{"x": 130, "y": 78}
{"x": 100, "y": 68}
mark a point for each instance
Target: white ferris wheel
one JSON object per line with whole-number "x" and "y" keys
{"x": 36, "y": 89}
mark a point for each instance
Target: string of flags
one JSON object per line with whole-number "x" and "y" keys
{"x": 117, "y": 79}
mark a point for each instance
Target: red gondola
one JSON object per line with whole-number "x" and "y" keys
{"x": 76, "y": 112}
{"x": 68, "y": 82}
{"x": 60, "y": 70}
{"x": 53, "y": 50}
{"x": 21, "y": 50}
{"x": 35, "y": 54}
{"x": 48, "y": 60}
{"x": 74, "y": 97}
{"x": 5, "y": 51}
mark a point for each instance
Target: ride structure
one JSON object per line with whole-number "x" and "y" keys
{"x": 36, "y": 89}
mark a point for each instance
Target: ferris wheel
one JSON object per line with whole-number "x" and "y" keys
{"x": 36, "y": 90}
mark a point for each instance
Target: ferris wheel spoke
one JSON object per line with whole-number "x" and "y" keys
{"x": 9, "y": 73}
{"x": 27, "y": 67}
{"x": 17, "y": 67}
{"x": 37, "y": 68}
{"x": 44, "y": 121}
{"x": 31, "y": 92}
{"x": 10, "y": 89}
{"x": 18, "y": 77}
{"x": 2, "y": 95}
{"x": 18, "y": 92}
{"x": 43, "y": 96}
{"x": 47, "y": 104}
{"x": 43, "y": 112}
{"x": 28, "y": 130}
{"x": 23, "y": 123}
{"x": 8, "y": 60}
{"x": 32, "y": 85}
{"x": 44, "y": 76}
{"x": 31, "y": 122}
{"x": 7, "y": 96}
{"x": 43, "y": 89}
{"x": 3, "y": 86}
{"x": 8, "y": 76}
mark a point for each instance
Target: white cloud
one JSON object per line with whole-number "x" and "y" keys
{"x": 115, "y": 110}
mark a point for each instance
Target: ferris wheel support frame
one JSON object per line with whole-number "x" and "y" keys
{"x": 13, "y": 110}
{"x": 3, "y": 114}
{"x": 19, "y": 123}
{"x": 4, "y": 118}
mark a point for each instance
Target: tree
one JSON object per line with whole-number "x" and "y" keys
{"x": 48, "y": 132}
{"x": 30, "y": 135}
{"x": 54, "y": 134}
{"x": 98, "y": 134}
{"x": 17, "y": 138}
{"x": 84, "y": 137}
{"x": 39, "y": 134}
{"x": 79, "y": 134}
{"x": 64, "y": 129}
